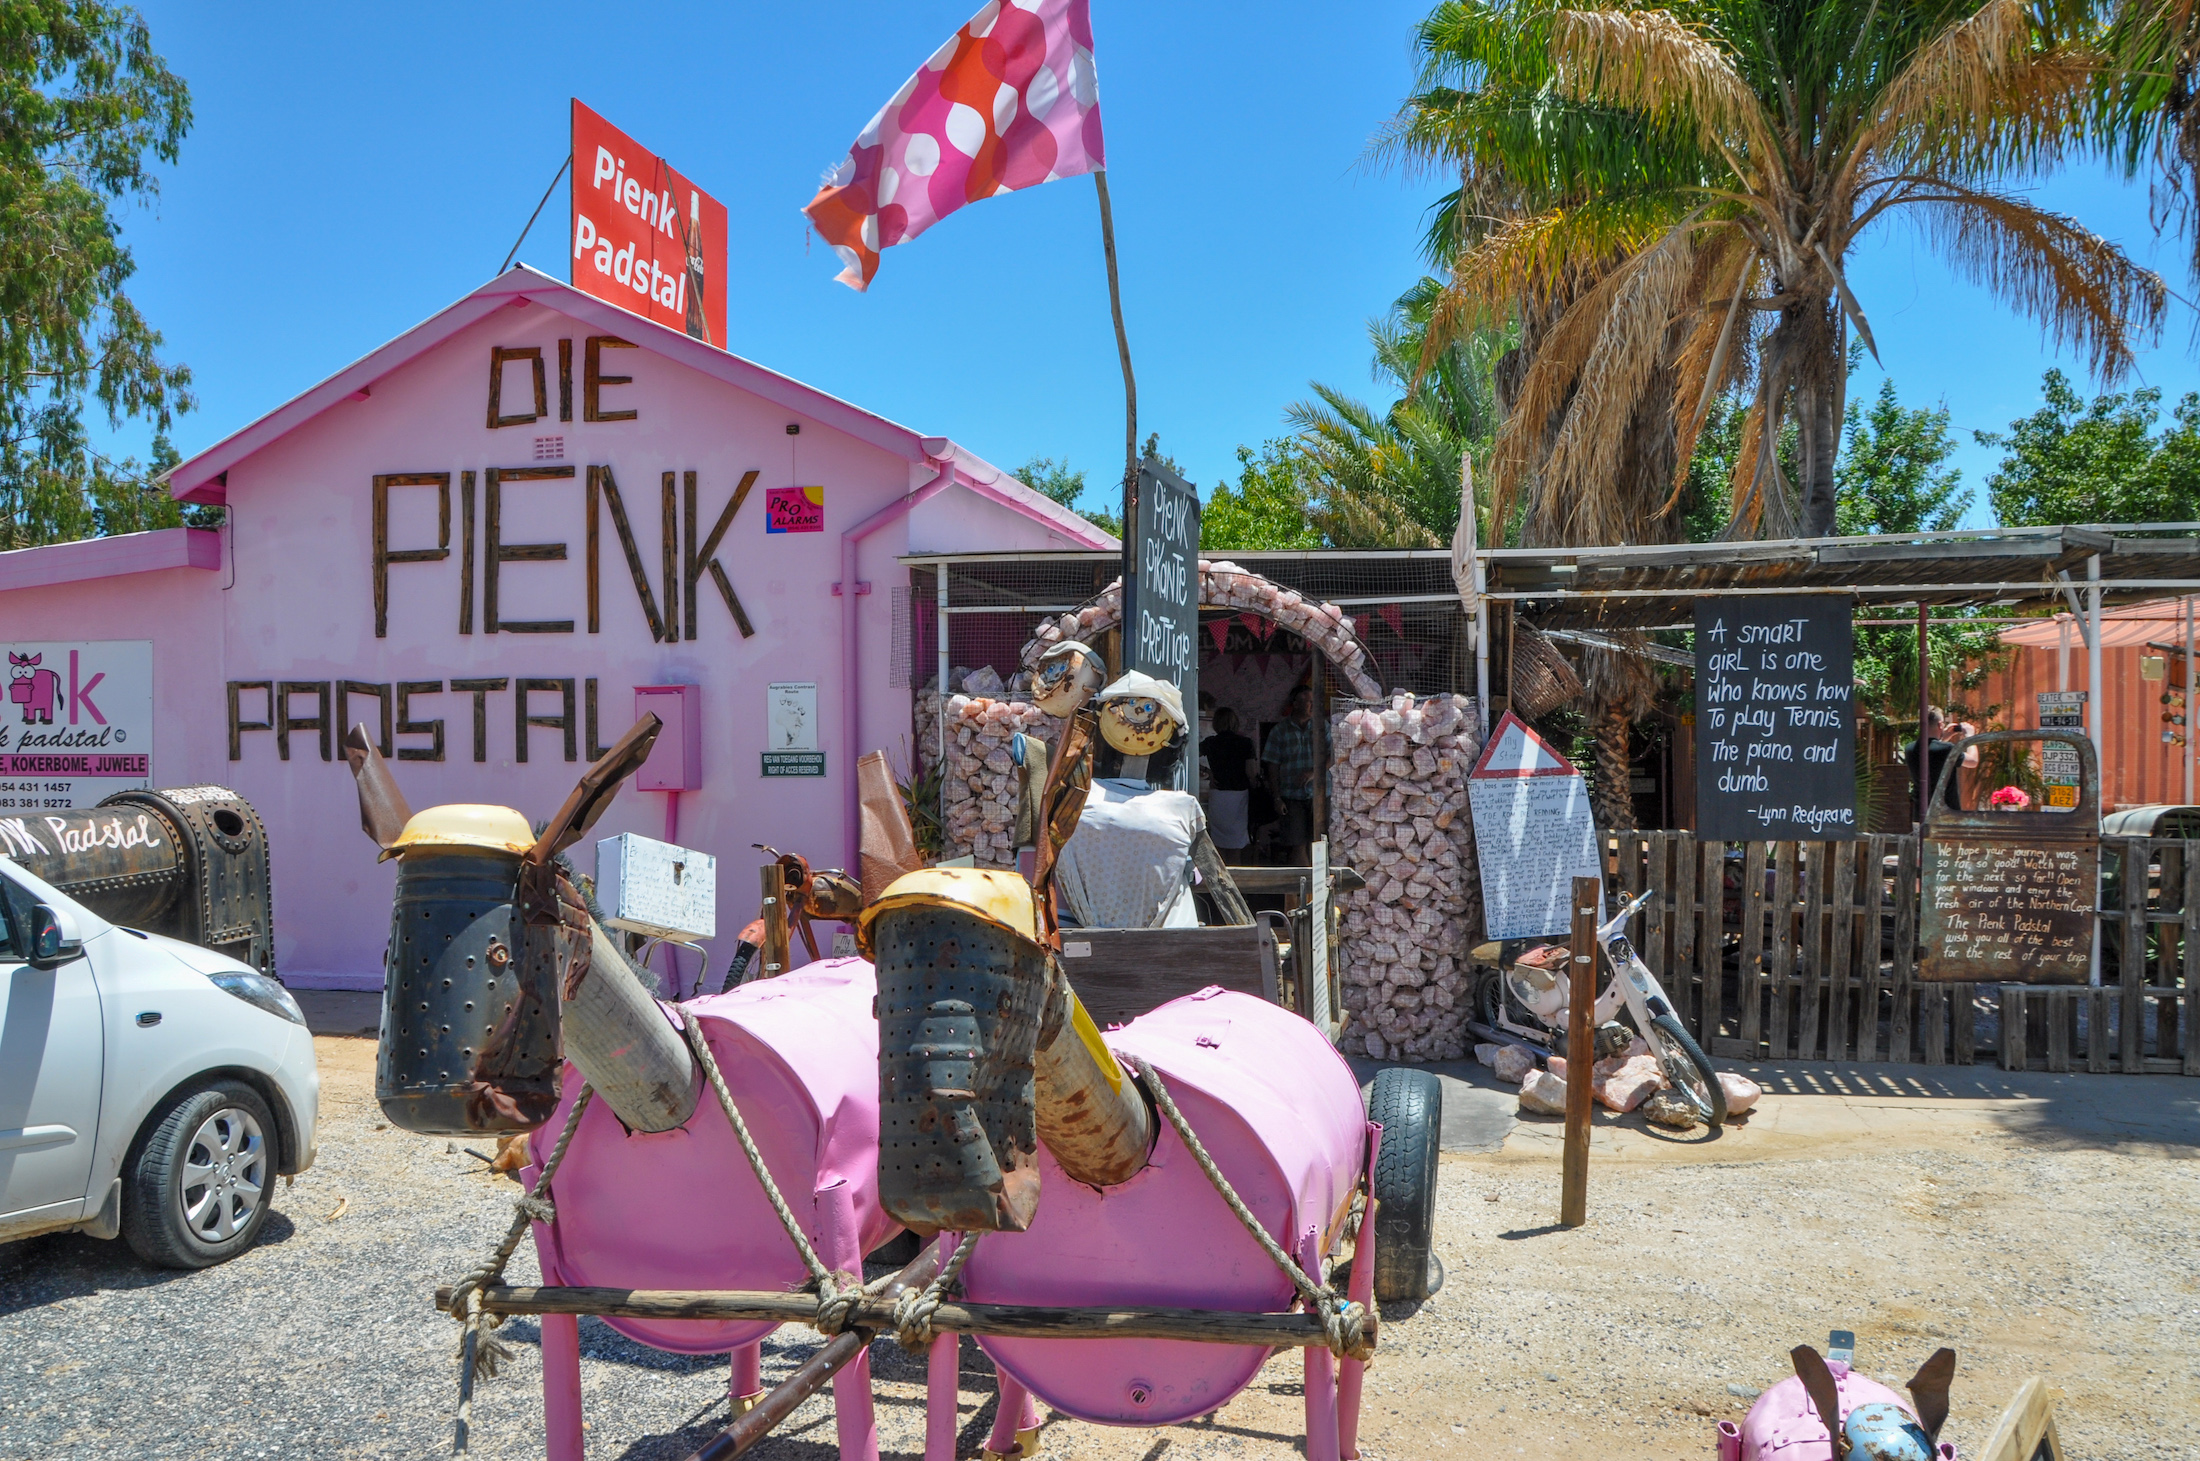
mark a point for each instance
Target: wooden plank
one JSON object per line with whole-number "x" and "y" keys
{"x": 1120, "y": 973}
{"x": 1901, "y": 979}
{"x": 2168, "y": 921}
{"x": 1807, "y": 1033}
{"x": 2190, "y": 1025}
{"x": 2098, "y": 1022}
{"x": 1783, "y": 946}
{"x": 1841, "y": 964}
{"x": 1205, "y": 1326}
{"x": 1932, "y": 1024}
{"x": 1573, "y": 1188}
{"x": 1656, "y": 926}
{"x": 2131, "y": 968}
{"x": 2060, "y": 1012}
{"x": 2026, "y": 1431}
{"x": 1751, "y": 973}
{"x": 1687, "y": 920}
{"x": 1878, "y": 936}
{"x": 1710, "y": 939}
{"x": 1963, "y": 1024}
{"x": 2012, "y": 1027}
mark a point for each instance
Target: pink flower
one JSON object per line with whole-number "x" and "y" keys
{"x": 2012, "y": 798}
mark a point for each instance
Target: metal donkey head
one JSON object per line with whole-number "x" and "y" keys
{"x": 486, "y": 936}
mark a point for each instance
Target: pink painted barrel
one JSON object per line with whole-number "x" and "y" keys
{"x": 1280, "y": 1112}
{"x": 681, "y": 1209}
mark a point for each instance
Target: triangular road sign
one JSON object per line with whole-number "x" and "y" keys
{"x": 1515, "y": 749}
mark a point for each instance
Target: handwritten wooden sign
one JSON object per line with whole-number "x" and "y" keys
{"x": 1775, "y": 718}
{"x": 2004, "y": 911}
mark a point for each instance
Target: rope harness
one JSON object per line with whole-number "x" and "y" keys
{"x": 477, "y": 1344}
{"x": 1344, "y": 1323}
{"x": 838, "y": 1294}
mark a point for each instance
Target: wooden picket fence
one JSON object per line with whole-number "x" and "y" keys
{"x": 1806, "y": 951}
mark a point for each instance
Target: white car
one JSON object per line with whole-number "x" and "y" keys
{"x": 149, "y": 1088}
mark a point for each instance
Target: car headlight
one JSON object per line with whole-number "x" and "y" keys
{"x": 258, "y": 989}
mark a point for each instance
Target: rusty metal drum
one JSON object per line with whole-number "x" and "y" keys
{"x": 190, "y": 862}
{"x": 961, "y": 989}
{"x": 470, "y": 1000}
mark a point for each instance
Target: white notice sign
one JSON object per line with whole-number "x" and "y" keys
{"x": 1533, "y": 833}
{"x": 77, "y": 725}
{"x": 790, "y": 718}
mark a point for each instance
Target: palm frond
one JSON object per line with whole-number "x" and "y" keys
{"x": 2085, "y": 291}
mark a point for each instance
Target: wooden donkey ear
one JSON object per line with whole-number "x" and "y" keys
{"x": 598, "y": 785}
{"x": 383, "y": 811}
{"x": 1810, "y": 1368}
{"x": 1929, "y": 1390}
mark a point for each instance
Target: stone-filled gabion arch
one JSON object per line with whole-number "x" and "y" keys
{"x": 1225, "y": 585}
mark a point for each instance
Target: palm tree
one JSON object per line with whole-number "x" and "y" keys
{"x": 1390, "y": 478}
{"x": 1670, "y": 197}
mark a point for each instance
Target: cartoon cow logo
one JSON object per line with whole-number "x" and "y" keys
{"x": 37, "y": 690}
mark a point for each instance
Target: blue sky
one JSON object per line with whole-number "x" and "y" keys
{"x": 351, "y": 171}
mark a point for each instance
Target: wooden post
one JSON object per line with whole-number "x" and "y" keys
{"x": 1581, "y": 1020}
{"x": 775, "y": 919}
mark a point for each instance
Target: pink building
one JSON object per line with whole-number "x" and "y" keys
{"x": 480, "y": 540}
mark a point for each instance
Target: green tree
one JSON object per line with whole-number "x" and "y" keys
{"x": 1671, "y": 196}
{"x": 1267, "y": 508}
{"x": 1389, "y": 478}
{"x": 2070, "y": 462}
{"x": 1055, "y": 479}
{"x": 86, "y": 110}
{"x": 1893, "y": 477}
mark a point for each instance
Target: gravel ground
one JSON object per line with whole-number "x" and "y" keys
{"x": 2033, "y": 1240}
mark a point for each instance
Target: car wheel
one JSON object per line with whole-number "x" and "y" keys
{"x": 1409, "y": 1106}
{"x": 199, "y": 1178}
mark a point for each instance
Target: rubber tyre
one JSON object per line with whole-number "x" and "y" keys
{"x": 153, "y": 1221}
{"x": 1409, "y": 1106}
{"x": 1679, "y": 1046}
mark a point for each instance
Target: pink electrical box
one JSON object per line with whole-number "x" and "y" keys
{"x": 676, "y": 762}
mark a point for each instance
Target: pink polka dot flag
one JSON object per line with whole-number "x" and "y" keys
{"x": 1011, "y": 101}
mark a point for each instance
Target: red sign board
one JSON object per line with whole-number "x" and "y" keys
{"x": 794, "y": 510}
{"x": 644, "y": 237}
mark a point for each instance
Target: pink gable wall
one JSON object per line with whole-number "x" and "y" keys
{"x": 301, "y": 609}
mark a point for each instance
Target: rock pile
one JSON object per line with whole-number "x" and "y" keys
{"x": 981, "y": 778}
{"x": 1398, "y": 813}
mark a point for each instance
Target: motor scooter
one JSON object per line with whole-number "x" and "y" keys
{"x": 1522, "y": 991}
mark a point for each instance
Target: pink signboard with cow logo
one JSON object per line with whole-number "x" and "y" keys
{"x": 77, "y": 724}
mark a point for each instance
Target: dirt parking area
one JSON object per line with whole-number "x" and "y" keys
{"x": 2038, "y": 1224}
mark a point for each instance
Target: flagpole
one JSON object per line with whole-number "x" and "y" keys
{"x": 1130, "y": 398}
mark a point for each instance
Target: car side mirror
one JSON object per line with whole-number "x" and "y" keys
{"x": 53, "y": 942}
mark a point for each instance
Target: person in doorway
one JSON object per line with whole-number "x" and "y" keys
{"x": 1292, "y": 766}
{"x": 1927, "y": 755}
{"x": 1230, "y": 761}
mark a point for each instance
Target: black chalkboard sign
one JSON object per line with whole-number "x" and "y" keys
{"x": 1161, "y": 604}
{"x": 1775, "y": 718}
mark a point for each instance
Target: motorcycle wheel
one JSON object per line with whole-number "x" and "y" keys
{"x": 1687, "y": 1068}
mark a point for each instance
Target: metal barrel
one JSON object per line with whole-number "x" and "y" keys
{"x": 469, "y": 1006}
{"x": 959, "y": 1004}
{"x": 125, "y": 864}
{"x": 189, "y": 861}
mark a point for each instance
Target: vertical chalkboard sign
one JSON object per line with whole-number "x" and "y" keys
{"x": 1775, "y": 718}
{"x": 1161, "y": 602}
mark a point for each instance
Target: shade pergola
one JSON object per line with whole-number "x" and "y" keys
{"x": 1589, "y": 593}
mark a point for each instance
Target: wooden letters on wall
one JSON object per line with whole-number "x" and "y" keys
{"x": 331, "y": 704}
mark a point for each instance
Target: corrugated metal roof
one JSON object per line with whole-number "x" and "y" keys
{"x": 1641, "y": 587}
